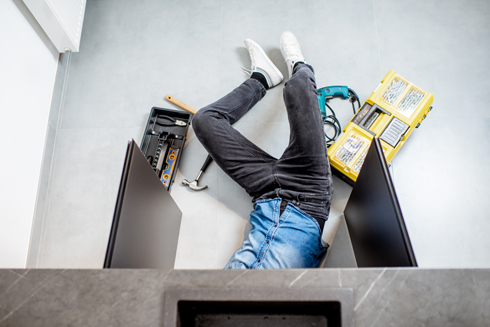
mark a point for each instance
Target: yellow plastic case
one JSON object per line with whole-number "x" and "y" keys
{"x": 391, "y": 113}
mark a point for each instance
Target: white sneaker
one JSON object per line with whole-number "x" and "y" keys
{"x": 291, "y": 51}
{"x": 262, "y": 64}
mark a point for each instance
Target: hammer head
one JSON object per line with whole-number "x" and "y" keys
{"x": 193, "y": 185}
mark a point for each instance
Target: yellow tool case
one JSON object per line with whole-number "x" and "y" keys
{"x": 390, "y": 113}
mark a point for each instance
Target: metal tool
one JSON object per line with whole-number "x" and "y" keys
{"x": 193, "y": 185}
{"x": 164, "y": 120}
{"x": 160, "y": 155}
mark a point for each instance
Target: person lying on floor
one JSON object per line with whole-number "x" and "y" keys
{"x": 292, "y": 194}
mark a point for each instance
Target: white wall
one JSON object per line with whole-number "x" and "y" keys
{"x": 28, "y": 64}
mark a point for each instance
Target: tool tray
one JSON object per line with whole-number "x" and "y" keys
{"x": 163, "y": 141}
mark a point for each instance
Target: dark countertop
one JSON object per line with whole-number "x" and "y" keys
{"x": 382, "y": 297}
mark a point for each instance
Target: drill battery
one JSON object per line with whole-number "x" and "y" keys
{"x": 391, "y": 113}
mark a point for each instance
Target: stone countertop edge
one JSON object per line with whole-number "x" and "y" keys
{"x": 134, "y": 297}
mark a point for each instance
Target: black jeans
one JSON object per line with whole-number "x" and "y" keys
{"x": 302, "y": 174}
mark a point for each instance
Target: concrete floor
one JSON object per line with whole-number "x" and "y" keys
{"x": 133, "y": 53}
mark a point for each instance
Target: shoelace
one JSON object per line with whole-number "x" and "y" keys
{"x": 292, "y": 51}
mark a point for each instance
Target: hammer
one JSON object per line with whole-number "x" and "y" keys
{"x": 193, "y": 185}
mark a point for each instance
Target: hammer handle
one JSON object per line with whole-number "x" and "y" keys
{"x": 180, "y": 104}
{"x": 206, "y": 163}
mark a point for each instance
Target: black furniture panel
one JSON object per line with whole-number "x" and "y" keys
{"x": 146, "y": 224}
{"x": 374, "y": 218}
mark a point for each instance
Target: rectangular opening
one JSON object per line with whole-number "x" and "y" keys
{"x": 259, "y": 313}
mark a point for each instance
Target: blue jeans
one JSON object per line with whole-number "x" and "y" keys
{"x": 291, "y": 194}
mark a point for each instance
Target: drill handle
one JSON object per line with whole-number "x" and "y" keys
{"x": 334, "y": 91}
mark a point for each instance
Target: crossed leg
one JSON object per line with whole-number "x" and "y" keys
{"x": 303, "y": 167}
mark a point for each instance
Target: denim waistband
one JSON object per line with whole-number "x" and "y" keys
{"x": 293, "y": 196}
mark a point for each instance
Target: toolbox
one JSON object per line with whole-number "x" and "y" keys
{"x": 163, "y": 141}
{"x": 391, "y": 113}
